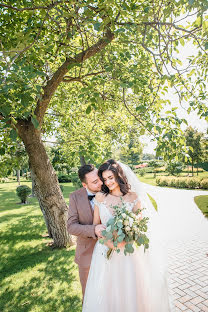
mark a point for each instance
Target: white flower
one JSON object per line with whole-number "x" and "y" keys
{"x": 131, "y": 221}
{"x": 123, "y": 215}
{"x": 127, "y": 228}
{"x": 126, "y": 222}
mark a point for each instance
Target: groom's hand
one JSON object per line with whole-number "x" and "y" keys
{"x": 98, "y": 230}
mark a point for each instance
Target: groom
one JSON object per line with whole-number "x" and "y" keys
{"x": 80, "y": 220}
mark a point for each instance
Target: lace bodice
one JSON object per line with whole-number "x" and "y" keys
{"x": 106, "y": 203}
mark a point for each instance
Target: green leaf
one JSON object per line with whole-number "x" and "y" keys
{"x": 35, "y": 121}
{"x": 111, "y": 221}
{"x": 142, "y": 131}
{"x": 120, "y": 30}
{"x": 5, "y": 110}
{"x": 129, "y": 248}
{"x": 146, "y": 10}
{"x": 109, "y": 235}
{"x": 191, "y": 2}
{"x": 120, "y": 239}
{"x": 2, "y": 151}
{"x": 97, "y": 26}
{"x": 88, "y": 110}
{"x": 206, "y": 46}
{"x": 104, "y": 233}
{"x": 108, "y": 229}
{"x": 13, "y": 135}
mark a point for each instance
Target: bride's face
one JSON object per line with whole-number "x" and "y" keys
{"x": 109, "y": 180}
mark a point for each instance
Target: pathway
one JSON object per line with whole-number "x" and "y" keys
{"x": 187, "y": 235}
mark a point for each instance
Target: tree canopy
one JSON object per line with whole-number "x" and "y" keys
{"x": 109, "y": 52}
{"x": 80, "y": 56}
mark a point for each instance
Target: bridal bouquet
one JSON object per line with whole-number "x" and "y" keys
{"x": 128, "y": 227}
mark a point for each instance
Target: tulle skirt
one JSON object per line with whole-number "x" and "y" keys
{"x": 132, "y": 283}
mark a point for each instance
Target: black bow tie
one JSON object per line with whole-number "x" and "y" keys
{"x": 90, "y": 197}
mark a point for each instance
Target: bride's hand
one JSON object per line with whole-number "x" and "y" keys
{"x": 121, "y": 245}
{"x": 109, "y": 244}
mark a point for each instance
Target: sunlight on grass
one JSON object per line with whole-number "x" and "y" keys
{"x": 33, "y": 277}
{"x": 202, "y": 203}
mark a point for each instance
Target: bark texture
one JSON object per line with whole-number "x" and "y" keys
{"x": 47, "y": 188}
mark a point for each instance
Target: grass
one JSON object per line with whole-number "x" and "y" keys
{"x": 202, "y": 203}
{"x": 33, "y": 277}
{"x": 149, "y": 177}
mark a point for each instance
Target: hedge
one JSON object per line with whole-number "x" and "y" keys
{"x": 189, "y": 183}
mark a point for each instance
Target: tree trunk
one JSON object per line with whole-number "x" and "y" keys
{"x": 43, "y": 212}
{"x": 192, "y": 167}
{"x": 47, "y": 188}
{"x": 18, "y": 176}
{"x": 82, "y": 160}
{"x": 33, "y": 183}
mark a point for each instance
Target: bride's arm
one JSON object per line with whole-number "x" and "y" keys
{"x": 99, "y": 227}
{"x": 96, "y": 218}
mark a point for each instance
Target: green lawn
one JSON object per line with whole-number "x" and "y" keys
{"x": 33, "y": 277}
{"x": 202, "y": 203}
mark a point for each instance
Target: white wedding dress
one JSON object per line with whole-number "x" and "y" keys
{"x": 132, "y": 283}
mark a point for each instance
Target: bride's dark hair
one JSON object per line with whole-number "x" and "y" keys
{"x": 118, "y": 173}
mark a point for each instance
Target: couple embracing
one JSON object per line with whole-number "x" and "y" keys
{"x": 123, "y": 283}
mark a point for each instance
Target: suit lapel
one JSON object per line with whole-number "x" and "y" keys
{"x": 85, "y": 203}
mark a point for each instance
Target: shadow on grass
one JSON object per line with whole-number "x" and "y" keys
{"x": 33, "y": 276}
{"x": 51, "y": 288}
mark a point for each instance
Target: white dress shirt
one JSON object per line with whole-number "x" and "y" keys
{"x": 91, "y": 201}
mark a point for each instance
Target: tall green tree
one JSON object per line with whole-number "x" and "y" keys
{"x": 131, "y": 151}
{"x": 194, "y": 141}
{"x": 107, "y": 52}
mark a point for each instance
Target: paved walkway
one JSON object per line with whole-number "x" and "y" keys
{"x": 187, "y": 235}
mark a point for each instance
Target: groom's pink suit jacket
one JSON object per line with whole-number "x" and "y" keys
{"x": 80, "y": 224}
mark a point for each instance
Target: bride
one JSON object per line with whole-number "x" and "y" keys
{"x": 132, "y": 283}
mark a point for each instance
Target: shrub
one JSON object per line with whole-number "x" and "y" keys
{"x": 204, "y": 184}
{"x": 189, "y": 169}
{"x": 193, "y": 183}
{"x": 141, "y": 172}
{"x": 75, "y": 179}
{"x": 179, "y": 182}
{"x": 172, "y": 182}
{"x": 162, "y": 181}
{"x": 23, "y": 191}
{"x": 63, "y": 178}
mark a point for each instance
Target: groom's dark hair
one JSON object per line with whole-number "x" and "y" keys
{"x": 84, "y": 170}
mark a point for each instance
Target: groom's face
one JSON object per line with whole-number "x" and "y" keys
{"x": 92, "y": 181}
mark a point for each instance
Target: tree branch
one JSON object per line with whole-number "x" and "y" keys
{"x": 136, "y": 117}
{"x": 69, "y": 78}
{"x": 53, "y": 4}
{"x": 58, "y": 76}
